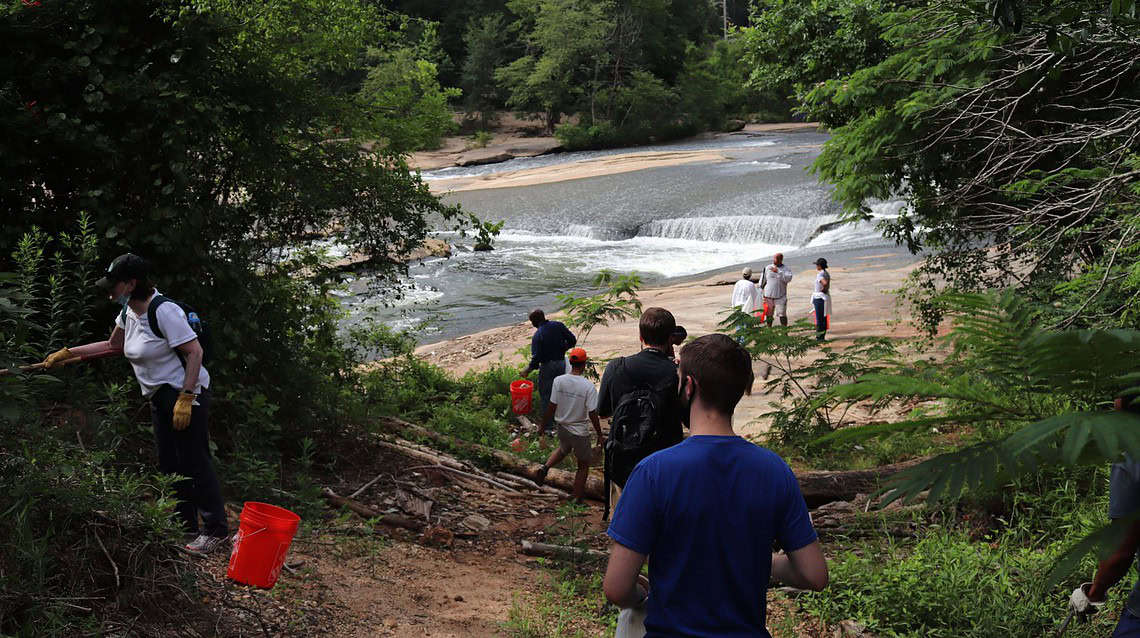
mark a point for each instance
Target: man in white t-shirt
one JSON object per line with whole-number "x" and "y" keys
{"x": 573, "y": 406}
{"x": 774, "y": 285}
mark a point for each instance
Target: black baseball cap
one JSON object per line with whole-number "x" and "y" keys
{"x": 124, "y": 267}
{"x": 821, "y": 262}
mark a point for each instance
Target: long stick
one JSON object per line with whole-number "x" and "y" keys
{"x": 366, "y": 486}
{"x": 497, "y": 484}
{"x": 531, "y": 548}
{"x": 37, "y": 366}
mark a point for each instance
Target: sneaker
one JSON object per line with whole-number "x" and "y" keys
{"x": 204, "y": 545}
{"x": 541, "y": 475}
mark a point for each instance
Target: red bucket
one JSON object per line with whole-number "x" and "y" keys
{"x": 261, "y": 544}
{"x": 522, "y": 392}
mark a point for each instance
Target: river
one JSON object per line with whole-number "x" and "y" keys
{"x": 666, "y": 223}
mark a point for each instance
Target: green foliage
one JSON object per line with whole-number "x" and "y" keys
{"x": 998, "y": 123}
{"x": 617, "y": 301}
{"x": 484, "y": 39}
{"x": 480, "y": 139}
{"x": 1037, "y": 397}
{"x": 991, "y": 550}
{"x": 791, "y": 46}
{"x": 569, "y": 606}
{"x": 783, "y": 349}
{"x": 409, "y": 108}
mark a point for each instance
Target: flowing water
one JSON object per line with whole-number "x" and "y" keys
{"x": 664, "y": 222}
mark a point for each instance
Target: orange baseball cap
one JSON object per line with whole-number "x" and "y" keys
{"x": 578, "y": 355}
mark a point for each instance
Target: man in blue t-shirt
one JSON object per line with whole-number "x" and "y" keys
{"x": 706, "y": 512}
{"x": 548, "y": 349}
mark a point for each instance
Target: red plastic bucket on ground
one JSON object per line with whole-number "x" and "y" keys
{"x": 261, "y": 544}
{"x": 522, "y": 392}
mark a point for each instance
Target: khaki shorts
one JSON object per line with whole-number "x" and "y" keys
{"x": 578, "y": 443}
{"x": 779, "y": 307}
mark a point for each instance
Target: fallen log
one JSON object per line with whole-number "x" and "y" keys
{"x": 393, "y": 520}
{"x": 818, "y": 486}
{"x": 420, "y": 455}
{"x": 823, "y": 486}
{"x": 531, "y": 548}
{"x": 560, "y": 479}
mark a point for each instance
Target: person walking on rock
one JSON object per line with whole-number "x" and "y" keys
{"x": 821, "y": 299}
{"x": 573, "y": 407}
{"x": 706, "y": 513}
{"x": 548, "y": 349}
{"x": 167, "y": 361}
{"x": 774, "y": 284}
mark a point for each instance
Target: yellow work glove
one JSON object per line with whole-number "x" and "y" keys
{"x": 57, "y": 357}
{"x": 182, "y": 408}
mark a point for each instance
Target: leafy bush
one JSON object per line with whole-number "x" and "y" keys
{"x": 977, "y": 570}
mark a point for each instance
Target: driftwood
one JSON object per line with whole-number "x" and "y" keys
{"x": 392, "y": 520}
{"x": 531, "y": 548}
{"x": 558, "y": 478}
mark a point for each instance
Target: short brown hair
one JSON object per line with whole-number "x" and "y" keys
{"x": 722, "y": 369}
{"x": 656, "y": 326}
{"x": 536, "y": 316}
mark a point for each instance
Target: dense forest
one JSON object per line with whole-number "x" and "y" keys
{"x": 220, "y": 137}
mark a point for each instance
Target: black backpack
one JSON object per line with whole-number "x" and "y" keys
{"x": 635, "y": 433}
{"x": 200, "y": 327}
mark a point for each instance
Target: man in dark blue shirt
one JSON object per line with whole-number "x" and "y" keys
{"x": 548, "y": 349}
{"x": 706, "y": 513}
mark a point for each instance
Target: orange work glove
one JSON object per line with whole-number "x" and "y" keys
{"x": 182, "y": 409}
{"x": 58, "y": 356}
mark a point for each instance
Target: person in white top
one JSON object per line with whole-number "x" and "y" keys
{"x": 745, "y": 296}
{"x": 573, "y": 406}
{"x": 170, "y": 373}
{"x": 774, "y": 285}
{"x": 821, "y": 299}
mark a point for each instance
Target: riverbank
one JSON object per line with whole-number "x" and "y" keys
{"x": 862, "y": 300}
{"x": 520, "y": 142}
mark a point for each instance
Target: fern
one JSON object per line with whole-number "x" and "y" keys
{"x": 1049, "y": 392}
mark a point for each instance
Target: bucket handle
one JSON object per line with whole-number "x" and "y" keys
{"x": 245, "y": 536}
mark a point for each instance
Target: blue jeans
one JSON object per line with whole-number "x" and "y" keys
{"x": 1128, "y": 627}
{"x": 820, "y": 318}
{"x": 546, "y": 373}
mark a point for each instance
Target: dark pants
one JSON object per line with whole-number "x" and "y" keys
{"x": 546, "y": 373}
{"x": 820, "y": 318}
{"x": 1128, "y": 626}
{"x": 187, "y": 452}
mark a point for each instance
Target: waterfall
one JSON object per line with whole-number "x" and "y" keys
{"x": 736, "y": 229}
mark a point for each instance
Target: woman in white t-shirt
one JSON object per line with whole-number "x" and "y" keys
{"x": 170, "y": 373}
{"x": 821, "y": 299}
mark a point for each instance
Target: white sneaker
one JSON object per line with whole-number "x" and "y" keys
{"x": 204, "y": 545}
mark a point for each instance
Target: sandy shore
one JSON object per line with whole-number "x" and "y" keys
{"x": 507, "y": 146}
{"x": 862, "y": 306}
